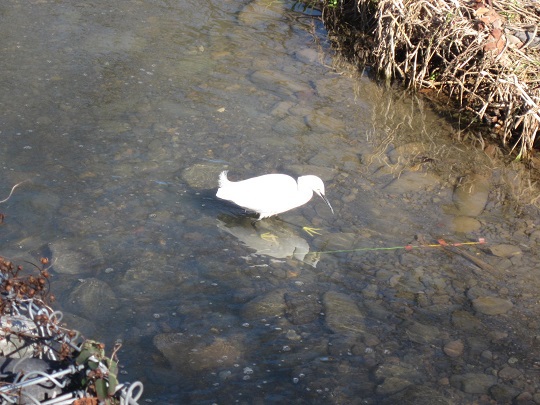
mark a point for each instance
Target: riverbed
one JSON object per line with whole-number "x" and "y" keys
{"x": 421, "y": 288}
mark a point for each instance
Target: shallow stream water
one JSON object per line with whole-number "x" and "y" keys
{"x": 119, "y": 118}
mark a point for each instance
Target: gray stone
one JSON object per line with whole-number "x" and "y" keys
{"x": 417, "y": 395}
{"x": 13, "y": 329}
{"x": 78, "y": 323}
{"x": 93, "y": 299}
{"x": 321, "y": 122}
{"x": 454, "y": 348}
{"x": 475, "y": 292}
{"x": 509, "y": 373}
{"x": 190, "y": 354}
{"x": 258, "y": 13}
{"x": 291, "y": 125}
{"x": 281, "y": 109}
{"x": 266, "y": 306}
{"x": 400, "y": 370}
{"x": 339, "y": 241}
{"x": 278, "y": 82}
{"x": 524, "y": 397}
{"x": 535, "y": 235}
{"x": 503, "y": 394}
{"x": 420, "y": 333}
{"x": 471, "y": 195}
{"x": 202, "y": 175}
{"x": 391, "y": 385}
{"x": 505, "y": 250}
{"x": 302, "y": 308}
{"x": 473, "y": 383}
{"x": 466, "y": 321}
{"x": 342, "y": 314}
{"x": 465, "y": 224}
{"x": 492, "y": 305}
{"x": 75, "y": 257}
{"x": 412, "y": 181}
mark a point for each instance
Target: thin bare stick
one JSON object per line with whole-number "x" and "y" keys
{"x": 12, "y": 189}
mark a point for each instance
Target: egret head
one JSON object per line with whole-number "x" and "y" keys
{"x": 315, "y": 184}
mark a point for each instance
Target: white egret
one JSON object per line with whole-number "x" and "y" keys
{"x": 271, "y": 194}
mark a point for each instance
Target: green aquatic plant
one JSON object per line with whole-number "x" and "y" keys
{"x": 101, "y": 378}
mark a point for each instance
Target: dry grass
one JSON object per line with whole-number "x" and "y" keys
{"x": 461, "y": 51}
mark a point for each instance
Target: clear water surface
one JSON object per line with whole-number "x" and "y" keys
{"x": 120, "y": 116}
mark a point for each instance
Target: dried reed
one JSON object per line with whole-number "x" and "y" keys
{"x": 482, "y": 56}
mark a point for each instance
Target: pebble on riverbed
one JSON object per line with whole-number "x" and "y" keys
{"x": 505, "y": 250}
{"x": 265, "y": 306}
{"x": 75, "y": 256}
{"x": 342, "y": 314}
{"x": 189, "y": 353}
{"x": 202, "y": 175}
{"x": 492, "y": 305}
{"x": 93, "y": 299}
{"x": 463, "y": 224}
{"x": 471, "y": 195}
{"x": 454, "y": 348}
{"x": 417, "y": 395}
{"x": 473, "y": 383}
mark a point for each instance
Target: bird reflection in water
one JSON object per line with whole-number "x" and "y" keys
{"x": 276, "y": 240}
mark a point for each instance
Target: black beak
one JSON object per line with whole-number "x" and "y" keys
{"x": 327, "y": 202}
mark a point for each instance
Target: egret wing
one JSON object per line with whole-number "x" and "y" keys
{"x": 268, "y": 195}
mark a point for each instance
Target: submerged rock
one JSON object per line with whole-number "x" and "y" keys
{"x": 391, "y": 385}
{"x": 465, "y": 224}
{"x": 319, "y": 121}
{"x": 420, "y": 333}
{"x": 492, "y": 305}
{"x": 302, "y": 308}
{"x": 338, "y": 241}
{"x": 279, "y": 83}
{"x": 473, "y": 383}
{"x": 417, "y": 395}
{"x": 269, "y": 305}
{"x": 188, "y": 353}
{"x": 93, "y": 299}
{"x": 471, "y": 195}
{"x": 503, "y": 393}
{"x": 342, "y": 314}
{"x": 260, "y": 12}
{"x": 454, "y": 348}
{"x": 412, "y": 181}
{"x": 396, "y": 377}
{"x": 75, "y": 257}
{"x": 509, "y": 373}
{"x": 505, "y": 250}
{"x": 291, "y": 125}
{"x": 202, "y": 175}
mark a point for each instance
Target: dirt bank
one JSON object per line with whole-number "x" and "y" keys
{"x": 480, "y": 57}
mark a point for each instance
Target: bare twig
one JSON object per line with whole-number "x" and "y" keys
{"x": 12, "y": 189}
